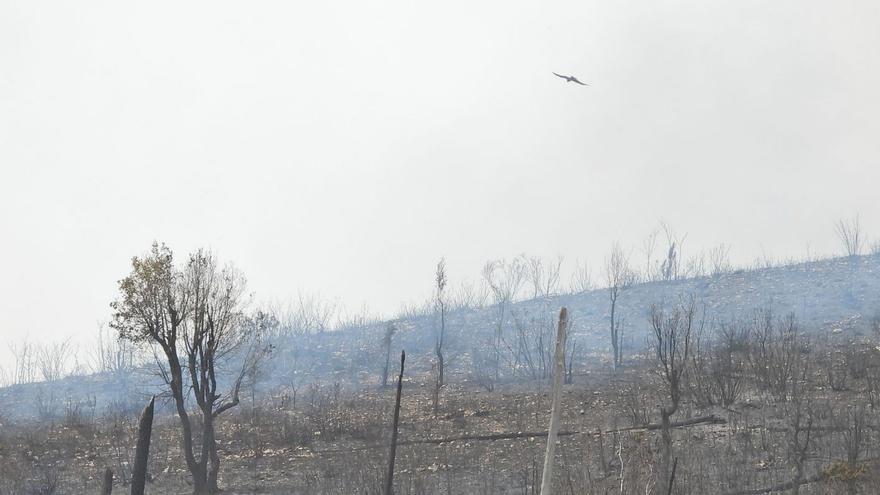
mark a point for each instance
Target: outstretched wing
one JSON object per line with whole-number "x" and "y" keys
{"x": 576, "y": 80}
{"x": 560, "y": 75}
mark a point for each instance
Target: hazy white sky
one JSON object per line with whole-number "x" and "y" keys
{"x": 341, "y": 148}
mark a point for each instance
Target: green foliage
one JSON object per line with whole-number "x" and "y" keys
{"x": 146, "y": 306}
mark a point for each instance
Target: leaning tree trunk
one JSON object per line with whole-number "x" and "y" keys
{"x": 142, "y": 451}
{"x": 556, "y": 396}
{"x": 389, "y": 477}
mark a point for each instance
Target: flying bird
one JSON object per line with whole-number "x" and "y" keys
{"x": 570, "y": 79}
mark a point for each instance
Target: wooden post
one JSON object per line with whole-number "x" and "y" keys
{"x": 142, "y": 451}
{"x": 555, "y": 398}
{"x": 389, "y": 478}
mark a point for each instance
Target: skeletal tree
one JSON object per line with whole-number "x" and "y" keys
{"x": 849, "y": 231}
{"x": 569, "y": 375}
{"x": 313, "y": 315}
{"x": 581, "y": 279}
{"x": 440, "y": 305}
{"x": 347, "y": 319}
{"x": 24, "y": 369}
{"x": 530, "y": 346}
{"x": 775, "y": 355}
{"x": 468, "y": 296}
{"x": 110, "y": 353}
{"x": 543, "y": 277}
{"x": 801, "y": 416}
{"x": 504, "y": 281}
{"x": 193, "y": 316}
{"x": 719, "y": 260}
{"x": 649, "y": 244}
{"x": 535, "y": 274}
{"x": 552, "y": 277}
{"x": 618, "y": 276}
{"x": 672, "y": 332}
{"x": 716, "y": 375}
{"x": 533, "y": 349}
{"x": 309, "y": 314}
{"x": 854, "y": 442}
{"x": 53, "y": 359}
{"x": 671, "y": 267}
{"x": 386, "y": 344}
{"x": 695, "y": 266}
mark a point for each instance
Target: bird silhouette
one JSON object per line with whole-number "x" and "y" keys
{"x": 570, "y": 79}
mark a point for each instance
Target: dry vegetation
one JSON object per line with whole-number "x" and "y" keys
{"x": 774, "y": 407}
{"x": 710, "y": 402}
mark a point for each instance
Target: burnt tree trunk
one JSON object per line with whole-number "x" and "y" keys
{"x": 142, "y": 450}
{"x": 389, "y": 478}
{"x": 107, "y": 486}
